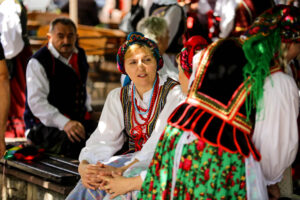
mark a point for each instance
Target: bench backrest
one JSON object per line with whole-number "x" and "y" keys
{"x": 94, "y": 40}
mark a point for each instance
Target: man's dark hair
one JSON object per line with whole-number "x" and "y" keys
{"x": 62, "y": 20}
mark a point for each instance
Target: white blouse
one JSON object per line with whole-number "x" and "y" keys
{"x": 108, "y": 138}
{"x": 10, "y": 28}
{"x": 169, "y": 68}
{"x": 276, "y": 131}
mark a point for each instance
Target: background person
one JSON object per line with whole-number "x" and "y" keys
{"x": 58, "y": 115}
{"x": 156, "y": 28}
{"x": 4, "y": 106}
{"x": 17, "y": 51}
{"x": 176, "y": 20}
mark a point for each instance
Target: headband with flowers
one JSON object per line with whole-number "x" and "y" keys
{"x": 194, "y": 44}
{"x": 262, "y": 42}
{"x": 138, "y": 38}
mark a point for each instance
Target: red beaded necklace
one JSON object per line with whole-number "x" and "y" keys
{"x": 137, "y": 128}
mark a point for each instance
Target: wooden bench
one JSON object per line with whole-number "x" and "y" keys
{"x": 52, "y": 177}
{"x": 36, "y": 19}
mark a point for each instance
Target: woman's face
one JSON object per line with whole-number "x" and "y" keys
{"x": 141, "y": 66}
{"x": 293, "y": 51}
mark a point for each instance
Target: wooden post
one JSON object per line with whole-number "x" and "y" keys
{"x": 73, "y": 11}
{"x": 4, "y": 182}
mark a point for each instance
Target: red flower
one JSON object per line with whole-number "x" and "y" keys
{"x": 206, "y": 174}
{"x": 187, "y": 164}
{"x": 180, "y": 165}
{"x": 164, "y": 194}
{"x": 228, "y": 177}
{"x": 289, "y": 18}
{"x": 157, "y": 169}
{"x": 151, "y": 186}
{"x": 232, "y": 183}
{"x": 233, "y": 168}
{"x": 175, "y": 192}
{"x": 220, "y": 152}
{"x": 200, "y": 146}
{"x": 172, "y": 143}
{"x": 187, "y": 196}
{"x": 242, "y": 185}
{"x": 254, "y": 30}
{"x": 194, "y": 178}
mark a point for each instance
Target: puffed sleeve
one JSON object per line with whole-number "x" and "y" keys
{"x": 107, "y": 139}
{"x": 276, "y": 132}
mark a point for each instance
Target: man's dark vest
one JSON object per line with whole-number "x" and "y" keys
{"x": 67, "y": 91}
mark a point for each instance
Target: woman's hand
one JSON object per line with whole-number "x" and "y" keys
{"x": 274, "y": 192}
{"x": 117, "y": 184}
{"x": 106, "y": 170}
{"x": 89, "y": 175}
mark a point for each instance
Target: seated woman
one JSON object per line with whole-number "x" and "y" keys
{"x": 130, "y": 183}
{"x": 210, "y": 148}
{"x": 131, "y": 115}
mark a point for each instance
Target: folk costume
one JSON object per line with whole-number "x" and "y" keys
{"x": 210, "y": 148}
{"x": 14, "y": 39}
{"x": 130, "y": 121}
{"x": 56, "y": 93}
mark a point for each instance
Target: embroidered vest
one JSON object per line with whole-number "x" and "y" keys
{"x": 128, "y": 109}
{"x": 214, "y": 110}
